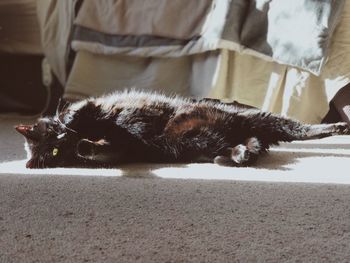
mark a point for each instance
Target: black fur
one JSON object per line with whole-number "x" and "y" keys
{"x": 134, "y": 126}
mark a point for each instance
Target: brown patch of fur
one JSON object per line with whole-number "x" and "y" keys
{"x": 184, "y": 126}
{"x": 189, "y": 119}
{"x": 101, "y": 142}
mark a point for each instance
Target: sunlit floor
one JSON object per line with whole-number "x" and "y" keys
{"x": 317, "y": 161}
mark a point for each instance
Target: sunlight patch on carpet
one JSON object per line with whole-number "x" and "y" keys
{"x": 309, "y": 170}
{"x": 18, "y": 167}
{"x": 305, "y": 169}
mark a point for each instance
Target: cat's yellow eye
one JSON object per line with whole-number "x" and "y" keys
{"x": 54, "y": 151}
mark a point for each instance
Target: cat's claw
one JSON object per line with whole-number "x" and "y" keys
{"x": 341, "y": 128}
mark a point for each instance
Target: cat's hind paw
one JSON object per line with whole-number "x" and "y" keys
{"x": 241, "y": 155}
{"x": 237, "y": 156}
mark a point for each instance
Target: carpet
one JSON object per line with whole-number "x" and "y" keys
{"x": 293, "y": 206}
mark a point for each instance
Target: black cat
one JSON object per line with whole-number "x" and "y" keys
{"x": 137, "y": 126}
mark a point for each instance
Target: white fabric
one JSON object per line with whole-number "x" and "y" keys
{"x": 56, "y": 23}
{"x": 269, "y": 29}
{"x": 94, "y": 75}
{"x": 286, "y": 90}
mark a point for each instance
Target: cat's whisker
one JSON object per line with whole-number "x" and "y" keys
{"x": 44, "y": 163}
{"x": 65, "y": 126}
{"x": 41, "y": 162}
{"x": 58, "y": 106}
{"x": 37, "y": 163}
{"x": 57, "y": 133}
{"x": 61, "y": 108}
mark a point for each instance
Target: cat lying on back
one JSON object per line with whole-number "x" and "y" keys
{"x": 147, "y": 127}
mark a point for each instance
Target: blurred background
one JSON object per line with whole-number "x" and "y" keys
{"x": 21, "y": 56}
{"x": 287, "y": 58}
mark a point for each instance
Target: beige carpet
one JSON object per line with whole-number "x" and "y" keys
{"x": 195, "y": 213}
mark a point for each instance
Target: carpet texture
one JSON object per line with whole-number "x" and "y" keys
{"x": 184, "y": 213}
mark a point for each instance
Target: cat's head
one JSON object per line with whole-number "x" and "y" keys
{"x": 49, "y": 144}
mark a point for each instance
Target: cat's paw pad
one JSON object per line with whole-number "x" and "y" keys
{"x": 253, "y": 145}
{"x": 240, "y": 154}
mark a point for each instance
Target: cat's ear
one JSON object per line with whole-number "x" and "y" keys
{"x": 28, "y": 132}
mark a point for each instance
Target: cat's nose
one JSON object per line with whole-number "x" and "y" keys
{"x": 28, "y": 132}
{"x": 23, "y": 129}
{"x": 30, "y": 164}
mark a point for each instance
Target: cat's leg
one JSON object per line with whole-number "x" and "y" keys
{"x": 248, "y": 152}
{"x": 325, "y": 130}
{"x": 272, "y": 129}
{"x": 242, "y": 154}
